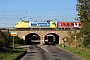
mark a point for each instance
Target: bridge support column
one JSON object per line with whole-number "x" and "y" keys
{"x": 41, "y": 40}
{"x": 60, "y": 40}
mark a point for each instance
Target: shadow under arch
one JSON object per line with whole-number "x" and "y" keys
{"x": 55, "y": 39}
{"x": 32, "y": 38}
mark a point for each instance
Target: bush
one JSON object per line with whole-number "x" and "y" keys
{"x": 88, "y": 46}
{"x": 2, "y": 40}
{"x": 86, "y": 41}
{"x": 7, "y": 38}
{"x": 18, "y": 40}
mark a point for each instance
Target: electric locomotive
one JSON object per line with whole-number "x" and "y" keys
{"x": 35, "y": 25}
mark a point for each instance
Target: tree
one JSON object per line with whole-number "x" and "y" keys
{"x": 83, "y": 10}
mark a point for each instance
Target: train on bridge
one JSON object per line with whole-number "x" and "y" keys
{"x": 49, "y": 24}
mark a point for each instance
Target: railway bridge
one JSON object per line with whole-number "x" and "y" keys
{"x": 39, "y": 36}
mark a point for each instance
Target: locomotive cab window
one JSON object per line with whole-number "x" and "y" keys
{"x": 16, "y": 23}
{"x": 54, "y": 23}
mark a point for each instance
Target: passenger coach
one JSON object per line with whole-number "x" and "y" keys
{"x": 69, "y": 25}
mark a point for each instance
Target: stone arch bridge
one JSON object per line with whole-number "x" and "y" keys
{"x": 26, "y": 34}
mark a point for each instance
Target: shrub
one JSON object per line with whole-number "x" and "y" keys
{"x": 86, "y": 41}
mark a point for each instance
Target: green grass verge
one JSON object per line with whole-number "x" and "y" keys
{"x": 11, "y": 54}
{"x": 82, "y": 52}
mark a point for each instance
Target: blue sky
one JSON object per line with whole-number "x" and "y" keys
{"x": 30, "y": 10}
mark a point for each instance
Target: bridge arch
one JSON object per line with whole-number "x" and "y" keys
{"x": 55, "y": 37}
{"x": 32, "y": 38}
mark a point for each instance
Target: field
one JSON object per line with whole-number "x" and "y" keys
{"x": 11, "y": 54}
{"x": 81, "y": 52}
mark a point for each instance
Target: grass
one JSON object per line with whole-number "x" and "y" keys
{"x": 11, "y": 54}
{"x": 82, "y": 52}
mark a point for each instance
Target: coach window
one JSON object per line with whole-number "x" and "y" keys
{"x": 63, "y": 24}
{"x": 79, "y": 24}
{"x": 67, "y": 24}
{"x": 72, "y": 24}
